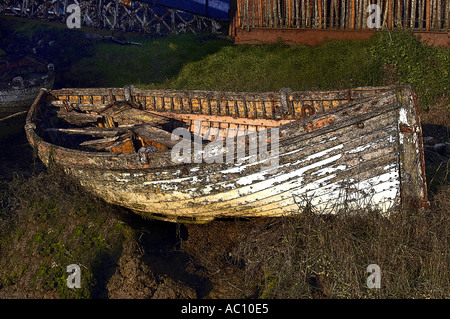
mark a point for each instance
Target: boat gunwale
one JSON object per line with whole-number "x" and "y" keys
{"x": 218, "y": 92}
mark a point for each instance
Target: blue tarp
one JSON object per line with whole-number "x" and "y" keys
{"x": 216, "y": 9}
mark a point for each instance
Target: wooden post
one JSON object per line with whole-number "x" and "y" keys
{"x": 342, "y": 22}
{"x": 428, "y": 14}
{"x": 307, "y": 13}
{"x": 319, "y": 3}
{"x": 261, "y": 13}
{"x": 358, "y": 5}
{"x": 302, "y": 21}
{"x": 269, "y": 13}
{"x": 352, "y": 25}
{"x": 420, "y": 12}
{"x": 266, "y": 13}
{"x": 238, "y": 13}
{"x": 246, "y": 15}
{"x": 438, "y": 14}
{"x": 253, "y": 11}
{"x": 278, "y": 22}
{"x": 331, "y": 14}
{"x": 448, "y": 15}
{"x": 389, "y": 14}
{"x": 289, "y": 15}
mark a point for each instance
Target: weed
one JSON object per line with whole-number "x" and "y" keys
{"x": 56, "y": 224}
{"x": 425, "y": 67}
{"x": 326, "y": 256}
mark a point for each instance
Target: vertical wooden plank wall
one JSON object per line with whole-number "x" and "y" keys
{"x": 419, "y": 15}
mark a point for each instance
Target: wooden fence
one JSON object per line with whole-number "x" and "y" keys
{"x": 419, "y": 15}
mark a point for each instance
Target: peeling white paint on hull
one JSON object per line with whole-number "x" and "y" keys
{"x": 276, "y": 195}
{"x": 355, "y": 163}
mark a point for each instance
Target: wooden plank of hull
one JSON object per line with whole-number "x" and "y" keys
{"x": 341, "y": 164}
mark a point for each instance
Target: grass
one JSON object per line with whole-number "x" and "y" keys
{"x": 312, "y": 256}
{"x": 155, "y": 61}
{"x": 191, "y": 62}
{"x": 272, "y": 67}
{"x": 56, "y": 224}
{"x": 211, "y": 62}
{"x": 188, "y": 62}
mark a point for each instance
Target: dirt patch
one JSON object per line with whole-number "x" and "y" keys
{"x": 211, "y": 247}
{"x": 134, "y": 279}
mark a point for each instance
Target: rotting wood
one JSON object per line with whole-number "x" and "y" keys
{"x": 78, "y": 118}
{"x": 361, "y": 152}
{"x": 13, "y": 115}
{"x": 154, "y": 135}
{"x": 100, "y": 143}
{"x": 106, "y": 132}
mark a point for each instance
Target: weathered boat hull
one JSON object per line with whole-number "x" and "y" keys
{"x": 16, "y": 96}
{"x": 15, "y": 100}
{"x": 364, "y": 154}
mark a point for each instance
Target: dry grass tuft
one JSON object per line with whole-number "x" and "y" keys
{"x": 316, "y": 256}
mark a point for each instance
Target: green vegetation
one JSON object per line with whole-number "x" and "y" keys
{"x": 272, "y": 67}
{"x": 425, "y": 68}
{"x": 155, "y": 61}
{"x": 56, "y": 224}
{"x": 189, "y": 62}
{"x": 212, "y": 62}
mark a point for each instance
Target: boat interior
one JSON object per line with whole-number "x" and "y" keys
{"x": 126, "y": 120}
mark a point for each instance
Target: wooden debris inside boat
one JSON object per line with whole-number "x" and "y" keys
{"x": 243, "y": 154}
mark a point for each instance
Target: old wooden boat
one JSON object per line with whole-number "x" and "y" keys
{"x": 357, "y": 150}
{"x": 21, "y": 78}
